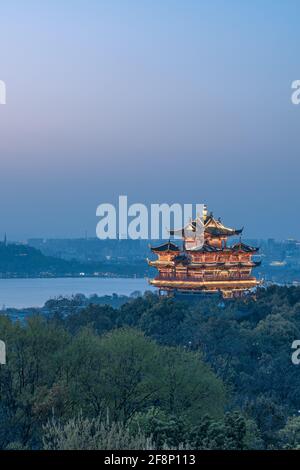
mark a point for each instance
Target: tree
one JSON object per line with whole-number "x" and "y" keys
{"x": 81, "y": 433}
{"x": 166, "y": 430}
{"x": 119, "y": 371}
{"x": 290, "y": 434}
{"x": 189, "y": 388}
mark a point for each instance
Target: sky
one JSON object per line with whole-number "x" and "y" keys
{"x": 161, "y": 100}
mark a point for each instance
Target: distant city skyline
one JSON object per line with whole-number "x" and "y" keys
{"x": 164, "y": 101}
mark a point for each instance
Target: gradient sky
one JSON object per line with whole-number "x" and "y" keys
{"x": 162, "y": 100}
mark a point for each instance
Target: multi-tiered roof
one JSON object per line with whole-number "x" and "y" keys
{"x": 205, "y": 263}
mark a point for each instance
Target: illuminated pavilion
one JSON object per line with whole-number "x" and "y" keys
{"x": 211, "y": 265}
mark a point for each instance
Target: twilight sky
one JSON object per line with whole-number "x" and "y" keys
{"x": 162, "y": 100}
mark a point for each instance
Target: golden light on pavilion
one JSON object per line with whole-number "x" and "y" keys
{"x": 211, "y": 267}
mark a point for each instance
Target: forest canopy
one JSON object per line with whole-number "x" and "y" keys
{"x": 154, "y": 373}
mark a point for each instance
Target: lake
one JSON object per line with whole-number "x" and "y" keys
{"x": 21, "y": 293}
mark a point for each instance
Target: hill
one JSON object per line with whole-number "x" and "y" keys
{"x": 18, "y": 260}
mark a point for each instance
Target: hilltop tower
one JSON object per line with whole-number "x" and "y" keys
{"x": 211, "y": 266}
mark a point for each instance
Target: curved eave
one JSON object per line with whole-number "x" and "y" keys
{"x": 170, "y": 264}
{"x": 165, "y": 248}
{"x": 248, "y": 250}
{"x": 256, "y": 263}
{"x": 204, "y": 249}
{"x": 198, "y": 285}
{"x": 157, "y": 263}
{"x": 224, "y": 265}
{"x": 219, "y": 233}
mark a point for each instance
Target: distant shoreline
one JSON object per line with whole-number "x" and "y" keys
{"x": 34, "y": 292}
{"x": 71, "y": 276}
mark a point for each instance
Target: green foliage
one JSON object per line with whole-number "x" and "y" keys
{"x": 29, "y": 383}
{"x": 290, "y": 434}
{"x": 167, "y": 367}
{"x": 119, "y": 371}
{"x": 166, "y": 430}
{"x": 93, "y": 434}
{"x": 188, "y": 387}
{"x": 226, "y": 434}
{"x": 50, "y": 371}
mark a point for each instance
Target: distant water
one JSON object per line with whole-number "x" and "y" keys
{"x": 21, "y": 293}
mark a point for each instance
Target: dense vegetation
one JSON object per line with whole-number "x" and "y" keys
{"x": 154, "y": 373}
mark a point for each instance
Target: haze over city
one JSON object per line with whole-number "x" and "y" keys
{"x": 162, "y": 101}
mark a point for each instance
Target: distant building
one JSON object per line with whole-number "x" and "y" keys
{"x": 4, "y": 240}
